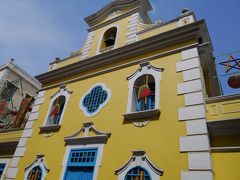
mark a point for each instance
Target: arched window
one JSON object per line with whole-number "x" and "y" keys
{"x": 37, "y": 170}
{"x": 35, "y": 174}
{"x": 144, "y": 93}
{"x": 139, "y": 167}
{"x": 109, "y": 38}
{"x": 56, "y": 110}
{"x": 137, "y": 173}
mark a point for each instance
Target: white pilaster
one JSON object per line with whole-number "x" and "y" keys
{"x": 193, "y": 113}
{"x": 132, "y": 28}
{"x": 87, "y": 46}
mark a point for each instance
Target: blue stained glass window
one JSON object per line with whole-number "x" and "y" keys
{"x": 95, "y": 98}
{"x": 2, "y": 166}
{"x": 35, "y": 174}
{"x": 137, "y": 173}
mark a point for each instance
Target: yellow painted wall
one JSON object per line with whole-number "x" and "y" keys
{"x": 160, "y": 138}
{"x": 223, "y": 110}
{"x": 226, "y": 165}
{"x": 158, "y": 30}
{"x": 69, "y": 61}
{"x": 127, "y": 61}
{"x": 118, "y": 13}
{"x": 120, "y": 39}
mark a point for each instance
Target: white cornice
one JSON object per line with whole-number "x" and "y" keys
{"x": 222, "y": 98}
{"x": 22, "y": 73}
{"x": 159, "y": 41}
{"x": 117, "y": 5}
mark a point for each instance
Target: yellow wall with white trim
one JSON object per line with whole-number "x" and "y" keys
{"x": 227, "y": 109}
{"x": 160, "y": 138}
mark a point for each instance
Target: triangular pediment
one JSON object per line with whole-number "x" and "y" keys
{"x": 116, "y": 8}
{"x": 87, "y": 134}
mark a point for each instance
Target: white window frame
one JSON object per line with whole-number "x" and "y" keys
{"x": 99, "y": 148}
{"x": 145, "y": 69}
{"x": 5, "y": 161}
{"x": 84, "y": 109}
{"x": 40, "y": 161}
{"x": 85, "y": 141}
{"x": 62, "y": 92}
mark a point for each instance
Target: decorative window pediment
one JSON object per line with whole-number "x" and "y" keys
{"x": 38, "y": 169}
{"x": 144, "y": 94}
{"x": 56, "y": 109}
{"x": 87, "y": 134}
{"x": 139, "y": 160}
{"x": 90, "y": 142}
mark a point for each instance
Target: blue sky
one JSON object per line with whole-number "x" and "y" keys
{"x": 35, "y": 32}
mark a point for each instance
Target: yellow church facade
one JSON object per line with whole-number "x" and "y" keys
{"x": 133, "y": 103}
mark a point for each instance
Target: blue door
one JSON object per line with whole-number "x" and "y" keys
{"x": 81, "y": 164}
{"x": 78, "y": 173}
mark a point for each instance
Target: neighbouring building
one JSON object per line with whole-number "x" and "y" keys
{"x": 135, "y": 102}
{"x": 18, "y": 90}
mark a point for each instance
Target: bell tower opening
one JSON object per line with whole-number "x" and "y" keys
{"x": 109, "y": 38}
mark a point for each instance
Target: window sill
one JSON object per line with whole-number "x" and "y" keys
{"x": 142, "y": 114}
{"x": 109, "y": 48}
{"x": 226, "y": 149}
{"x": 49, "y": 128}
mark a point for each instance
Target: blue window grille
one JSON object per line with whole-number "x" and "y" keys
{"x": 95, "y": 98}
{"x": 137, "y": 173}
{"x": 2, "y": 166}
{"x": 35, "y": 174}
{"x": 81, "y": 164}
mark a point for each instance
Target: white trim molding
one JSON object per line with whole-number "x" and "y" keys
{"x": 83, "y": 140}
{"x": 39, "y": 161}
{"x": 132, "y": 28}
{"x": 139, "y": 159}
{"x": 196, "y": 142}
{"x": 100, "y": 137}
{"x": 84, "y": 109}
{"x": 87, "y": 46}
{"x": 185, "y": 20}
